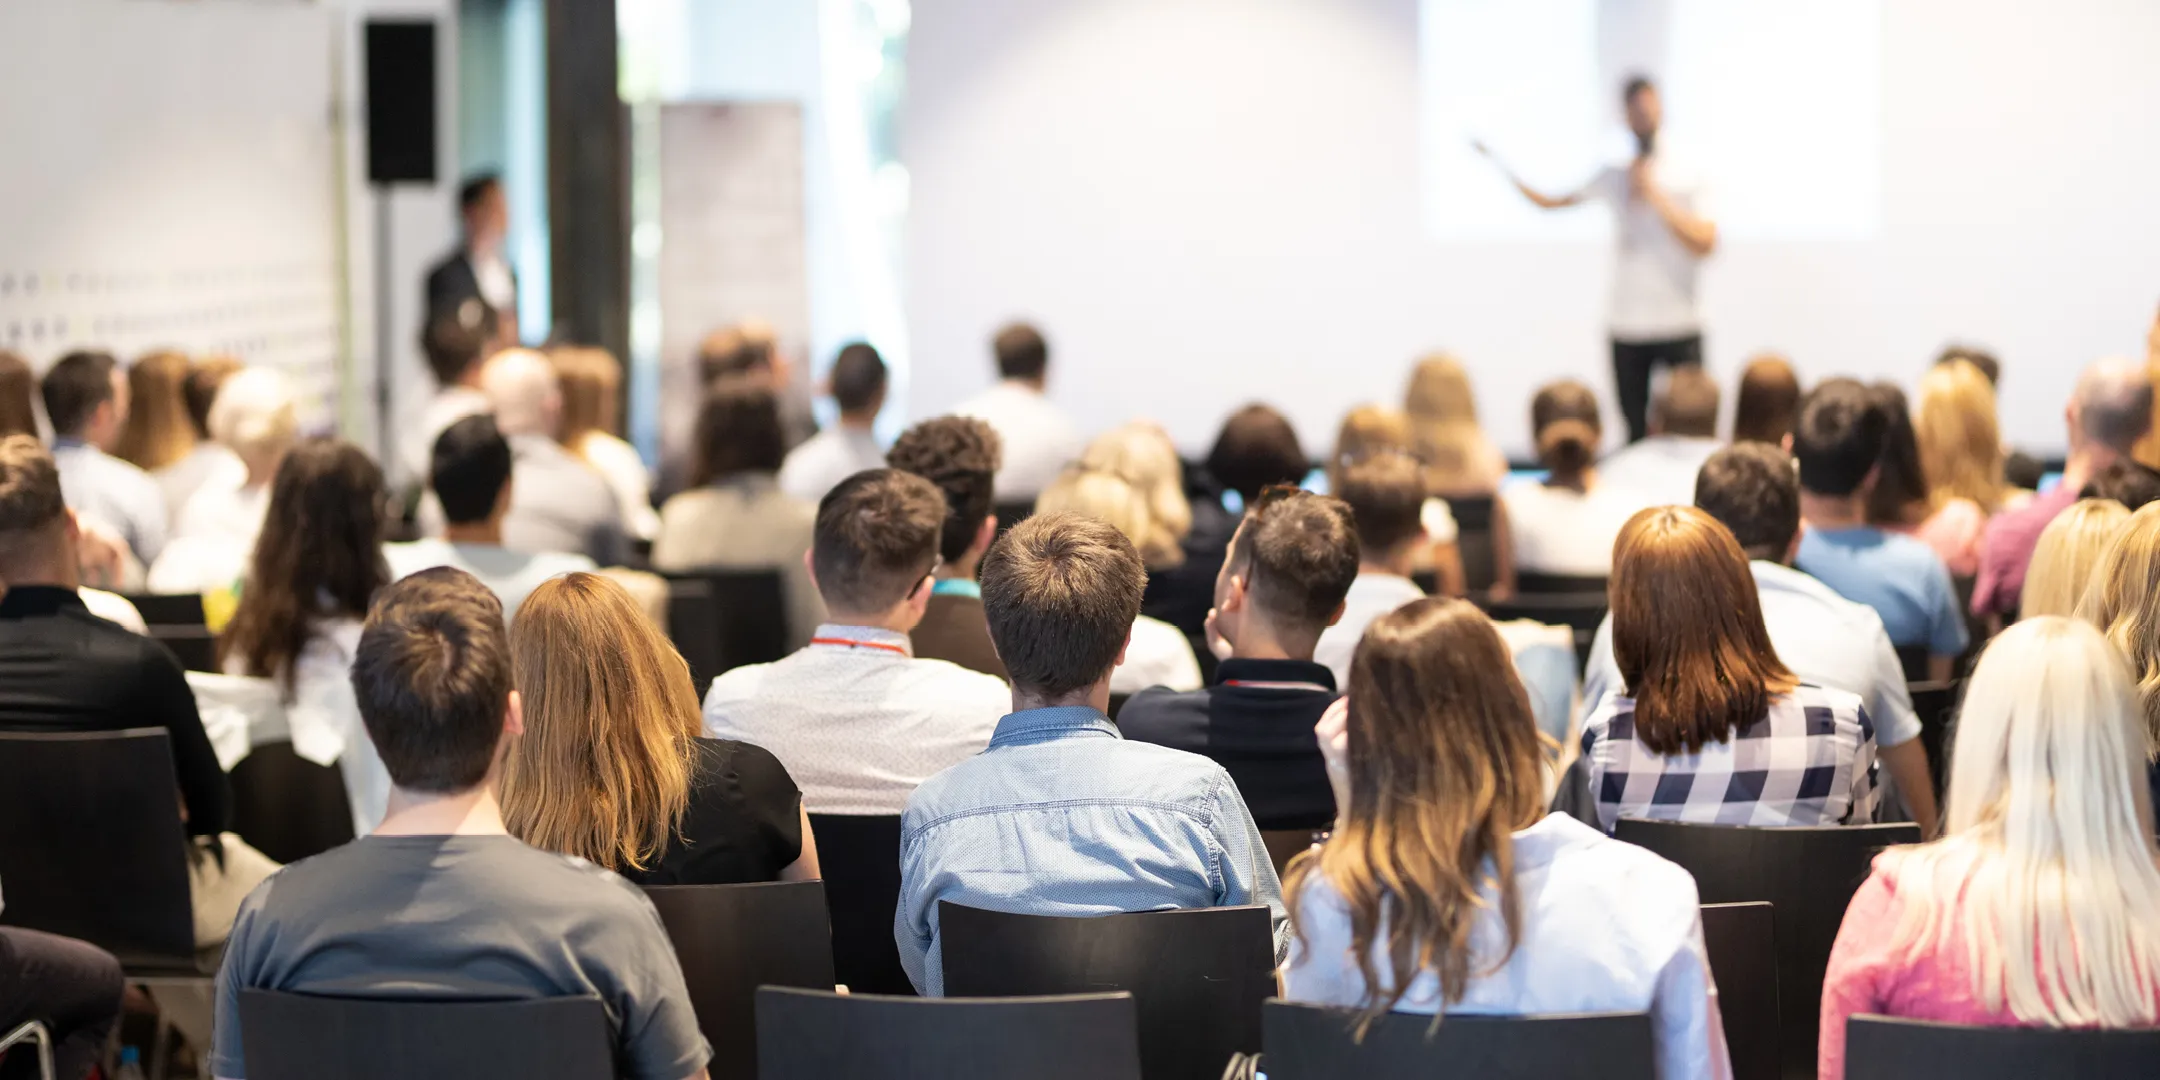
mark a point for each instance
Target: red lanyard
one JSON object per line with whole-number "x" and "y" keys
{"x": 854, "y": 644}
{"x": 1260, "y": 684}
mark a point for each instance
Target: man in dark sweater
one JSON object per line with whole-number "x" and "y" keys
{"x": 960, "y": 455}
{"x": 1289, "y": 566}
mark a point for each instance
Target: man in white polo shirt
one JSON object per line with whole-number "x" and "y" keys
{"x": 1665, "y": 231}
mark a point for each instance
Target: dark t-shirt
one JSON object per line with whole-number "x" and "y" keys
{"x": 1261, "y": 734}
{"x": 483, "y": 917}
{"x": 744, "y": 822}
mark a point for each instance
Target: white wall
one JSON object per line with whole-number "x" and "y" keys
{"x": 1206, "y": 202}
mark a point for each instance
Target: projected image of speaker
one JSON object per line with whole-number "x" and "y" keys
{"x": 401, "y": 101}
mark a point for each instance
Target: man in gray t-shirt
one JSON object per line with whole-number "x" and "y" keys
{"x": 440, "y": 902}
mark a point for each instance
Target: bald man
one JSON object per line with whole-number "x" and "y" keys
{"x": 557, "y": 502}
{"x": 2109, "y": 411}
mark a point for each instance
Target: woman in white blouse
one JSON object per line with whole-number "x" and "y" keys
{"x": 592, "y": 394}
{"x": 1565, "y": 525}
{"x": 1447, "y": 888}
{"x": 254, "y": 417}
{"x": 317, "y": 565}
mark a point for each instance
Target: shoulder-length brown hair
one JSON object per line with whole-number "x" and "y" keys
{"x": 591, "y": 394}
{"x": 1687, "y": 631}
{"x": 1445, "y": 765}
{"x": 158, "y": 431}
{"x": 17, "y": 386}
{"x": 603, "y": 770}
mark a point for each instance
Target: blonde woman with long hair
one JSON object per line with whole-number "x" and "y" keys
{"x": 1961, "y": 462}
{"x": 1447, "y": 888}
{"x": 1136, "y": 465}
{"x": 612, "y": 766}
{"x": 591, "y": 403}
{"x": 2066, "y": 554}
{"x": 1370, "y": 432}
{"x": 1444, "y": 430}
{"x": 1160, "y": 654}
{"x": 2123, "y": 600}
{"x": 2034, "y": 909}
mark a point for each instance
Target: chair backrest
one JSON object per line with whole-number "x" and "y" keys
{"x": 809, "y": 1035}
{"x": 1117, "y": 704}
{"x": 860, "y": 858}
{"x": 1284, "y": 845}
{"x": 1936, "y": 704}
{"x": 1807, "y": 874}
{"x": 1474, "y": 540}
{"x": 288, "y": 807}
{"x": 185, "y": 609}
{"x": 1531, "y": 583}
{"x": 1914, "y": 659}
{"x": 1307, "y": 1042}
{"x": 1882, "y": 1048}
{"x": 724, "y": 619}
{"x": 91, "y": 844}
{"x": 1010, "y": 514}
{"x": 178, "y": 622}
{"x": 1198, "y": 977}
{"x": 732, "y": 939}
{"x": 1576, "y": 610}
{"x": 301, "y": 1037}
{"x": 1743, "y": 962}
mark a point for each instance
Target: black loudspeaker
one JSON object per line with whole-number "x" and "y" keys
{"x": 401, "y": 102}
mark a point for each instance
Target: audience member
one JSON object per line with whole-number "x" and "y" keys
{"x": 18, "y": 384}
{"x": 1659, "y": 469}
{"x": 1289, "y": 566}
{"x": 1445, "y": 434}
{"x": 734, "y": 516}
{"x": 439, "y": 902}
{"x": 1767, "y": 401}
{"x": 750, "y": 350}
{"x": 1060, "y": 815}
{"x": 2123, "y": 599}
{"x": 2124, "y": 481}
{"x": 254, "y": 418}
{"x": 1565, "y": 524}
{"x": 157, "y": 434}
{"x": 69, "y": 671}
{"x": 207, "y": 460}
{"x": 86, "y": 399}
{"x": 612, "y": 767}
{"x": 1039, "y": 439}
{"x": 851, "y": 445}
{"x": 2110, "y": 410}
{"x": 1159, "y": 654}
{"x": 960, "y": 455}
{"x": 100, "y": 556}
{"x": 1840, "y": 445}
{"x": 1960, "y": 449}
{"x": 457, "y": 343}
{"x": 2035, "y": 909}
{"x": 1447, "y": 888}
{"x": 2020, "y": 469}
{"x": 72, "y": 987}
{"x": 1383, "y": 493}
{"x": 858, "y": 719}
{"x": 471, "y": 479}
{"x": 1718, "y": 730}
{"x": 1825, "y": 639}
{"x": 1366, "y": 432}
{"x": 557, "y": 502}
{"x": 2066, "y": 555}
{"x": 1255, "y": 450}
{"x": 591, "y": 430}
{"x": 1370, "y": 431}
{"x": 316, "y": 566}
{"x": 1903, "y": 500}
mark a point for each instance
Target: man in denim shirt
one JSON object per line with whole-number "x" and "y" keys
{"x": 1061, "y": 815}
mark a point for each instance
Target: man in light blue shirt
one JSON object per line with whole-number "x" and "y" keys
{"x": 86, "y": 398}
{"x": 1061, "y": 815}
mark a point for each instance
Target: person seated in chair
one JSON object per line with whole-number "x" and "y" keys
{"x": 86, "y": 398}
{"x": 471, "y": 478}
{"x": 856, "y": 717}
{"x": 440, "y": 901}
{"x": 960, "y": 455}
{"x": 1062, "y": 815}
{"x": 1290, "y": 564}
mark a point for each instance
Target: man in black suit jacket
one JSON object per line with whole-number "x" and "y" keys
{"x": 477, "y": 270}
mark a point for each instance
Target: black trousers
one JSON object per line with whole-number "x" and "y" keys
{"x": 1633, "y": 362}
{"x": 73, "y": 986}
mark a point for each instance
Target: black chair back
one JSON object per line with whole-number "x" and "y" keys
{"x": 724, "y": 619}
{"x": 1914, "y": 659}
{"x": 1882, "y": 1048}
{"x": 288, "y": 807}
{"x": 91, "y": 844}
{"x": 1530, "y": 583}
{"x": 808, "y": 1035}
{"x": 1284, "y": 845}
{"x": 860, "y": 858}
{"x": 1580, "y": 612}
{"x": 299, "y": 1037}
{"x": 732, "y": 939}
{"x": 1306, "y": 1042}
{"x": 178, "y": 622}
{"x": 1197, "y": 977}
{"x": 1936, "y": 704}
{"x": 1010, "y": 514}
{"x": 1807, "y": 874}
{"x": 1743, "y": 961}
{"x": 1474, "y": 541}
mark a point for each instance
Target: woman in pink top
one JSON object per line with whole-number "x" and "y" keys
{"x": 2029, "y": 911}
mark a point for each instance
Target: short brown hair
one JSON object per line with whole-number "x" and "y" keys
{"x": 1768, "y": 401}
{"x": 1688, "y": 404}
{"x": 1021, "y": 352}
{"x": 1687, "y": 631}
{"x": 1386, "y": 495}
{"x": 29, "y": 486}
{"x": 17, "y": 387}
{"x": 1753, "y": 489}
{"x": 738, "y": 430}
{"x": 74, "y": 387}
{"x": 1257, "y": 448}
{"x": 1061, "y": 592}
{"x": 200, "y": 388}
{"x": 456, "y": 339}
{"x": 1299, "y": 554}
{"x": 1564, "y": 422}
{"x": 959, "y": 454}
{"x": 432, "y": 679}
{"x": 876, "y": 539}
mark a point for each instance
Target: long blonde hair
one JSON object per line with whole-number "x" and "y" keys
{"x": 1960, "y": 442}
{"x": 2123, "y": 600}
{"x": 1131, "y": 477}
{"x": 1444, "y": 429}
{"x": 1445, "y": 766}
{"x": 2064, "y": 557}
{"x": 603, "y": 770}
{"x": 158, "y": 431}
{"x": 2049, "y": 851}
{"x": 591, "y": 393}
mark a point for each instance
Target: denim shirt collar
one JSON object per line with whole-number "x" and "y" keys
{"x": 1050, "y": 724}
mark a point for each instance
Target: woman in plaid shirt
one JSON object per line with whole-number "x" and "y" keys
{"x": 1713, "y": 727}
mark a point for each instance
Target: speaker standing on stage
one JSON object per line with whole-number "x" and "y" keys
{"x": 1665, "y": 232}
{"x": 477, "y": 270}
